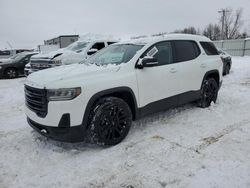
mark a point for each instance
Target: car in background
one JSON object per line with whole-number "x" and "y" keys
{"x": 4, "y": 54}
{"x": 74, "y": 53}
{"x": 14, "y": 66}
{"x": 27, "y": 69}
{"x": 227, "y": 61}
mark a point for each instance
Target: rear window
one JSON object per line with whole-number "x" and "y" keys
{"x": 185, "y": 50}
{"x": 209, "y": 48}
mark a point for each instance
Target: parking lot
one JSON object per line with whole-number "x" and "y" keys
{"x": 182, "y": 147}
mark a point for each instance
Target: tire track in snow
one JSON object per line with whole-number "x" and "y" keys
{"x": 217, "y": 136}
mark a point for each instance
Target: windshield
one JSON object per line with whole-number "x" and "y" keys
{"x": 115, "y": 54}
{"x": 77, "y": 46}
{"x": 18, "y": 57}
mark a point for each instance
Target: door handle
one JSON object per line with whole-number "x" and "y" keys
{"x": 173, "y": 70}
{"x": 203, "y": 65}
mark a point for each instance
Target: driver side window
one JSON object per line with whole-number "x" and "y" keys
{"x": 162, "y": 52}
{"x": 98, "y": 46}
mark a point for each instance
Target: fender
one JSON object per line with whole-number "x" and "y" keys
{"x": 110, "y": 92}
{"x": 211, "y": 72}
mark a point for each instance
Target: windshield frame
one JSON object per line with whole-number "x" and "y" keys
{"x": 104, "y": 51}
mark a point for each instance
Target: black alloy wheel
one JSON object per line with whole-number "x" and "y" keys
{"x": 110, "y": 121}
{"x": 209, "y": 92}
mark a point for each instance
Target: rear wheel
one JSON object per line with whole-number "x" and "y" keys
{"x": 227, "y": 69}
{"x": 10, "y": 73}
{"x": 109, "y": 121}
{"x": 209, "y": 92}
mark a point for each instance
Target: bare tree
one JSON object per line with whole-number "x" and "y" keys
{"x": 188, "y": 30}
{"x": 212, "y": 31}
{"x": 232, "y": 22}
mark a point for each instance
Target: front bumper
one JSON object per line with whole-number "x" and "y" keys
{"x": 63, "y": 132}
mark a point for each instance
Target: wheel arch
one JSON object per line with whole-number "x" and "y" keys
{"x": 124, "y": 93}
{"x": 212, "y": 74}
{"x": 7, "y": 68}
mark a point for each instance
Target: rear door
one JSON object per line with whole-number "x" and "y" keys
{"x": 187, "y": 57}
{"x": 212, "y": 58}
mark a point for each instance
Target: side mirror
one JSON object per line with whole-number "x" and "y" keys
{"x": 147, "y": 61}
{"x": 92, "y": 51}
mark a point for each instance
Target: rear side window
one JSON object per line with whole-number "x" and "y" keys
{"x": 209, "y": 48}
{"x": 98, "y": 45}
{"x": 19, "y": 51}
{"x": 109, "y": 43}
{"x": 185, "y": 50}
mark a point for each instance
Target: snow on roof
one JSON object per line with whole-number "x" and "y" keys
{"x": 96, "y": 37}
{"x": 146, "y": 40}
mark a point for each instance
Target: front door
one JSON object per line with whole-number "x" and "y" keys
{"x": 161, "y": 81}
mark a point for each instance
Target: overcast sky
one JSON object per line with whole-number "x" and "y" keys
{"x": 26, "y": 23}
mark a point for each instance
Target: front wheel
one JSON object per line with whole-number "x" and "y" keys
{"x": 109, "y": 121}
{"x": 209, "y": 92}
{"x": 10, "y": 73}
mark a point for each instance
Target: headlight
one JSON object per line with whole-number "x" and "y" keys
{"x": 63, "y": 94}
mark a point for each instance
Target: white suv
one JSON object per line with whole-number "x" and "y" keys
{"x": 99, "y": 99}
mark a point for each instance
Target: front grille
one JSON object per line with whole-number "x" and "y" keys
{"x": 40, "y": 64}
{"x": 36, "y": 100}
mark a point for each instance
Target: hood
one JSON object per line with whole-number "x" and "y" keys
{"x": 66, "y": 56}
{"x": 71, "y": 57}
{"x": 49, "y": 55}
{"x": 6, "y": 61}
{"x": 60, "y": 77}
{"x": 3, "y": 60}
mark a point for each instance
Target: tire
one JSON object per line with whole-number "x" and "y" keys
{"x": 10, "y": 73}
{"x": 227, "y": 69}
{"x": 209, "y": 92}
{"x": 109, "y": 121}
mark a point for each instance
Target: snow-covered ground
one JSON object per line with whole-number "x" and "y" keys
{"x": 182, "y": 147}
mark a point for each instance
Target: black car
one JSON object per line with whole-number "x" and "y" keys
{"x": 227, "y": 62}
{"x": 14, "y": 66}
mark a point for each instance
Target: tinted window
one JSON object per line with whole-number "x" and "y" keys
{"x": 19, "y": 51}
{"x": 98, "y": 45}
{"x": 109, "y": 43}
{"x": 186, "y": 50}
{"x": 162, "y": 52}
{"x": 209, "y": 48}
